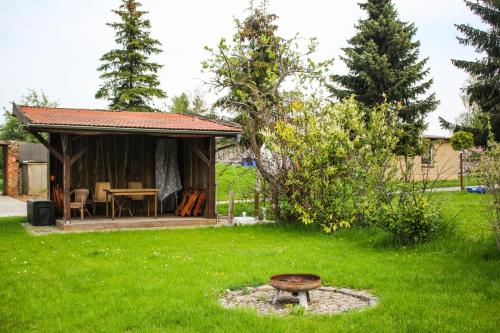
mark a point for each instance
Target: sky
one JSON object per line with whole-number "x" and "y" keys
{"x": 55, "y": 45}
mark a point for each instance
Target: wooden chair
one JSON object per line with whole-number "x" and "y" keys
{"x": 123, "y": 203}
{"x": 99, "y": 196}
{"x": 185, "y": 197}
{"x": 198, "y": 208}
{"x": 80, "y": 201}
{"x": 137, "y": 198}
{"x": 193, "y": 197}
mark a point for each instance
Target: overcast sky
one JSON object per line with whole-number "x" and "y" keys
{"x": 55, "y": 45}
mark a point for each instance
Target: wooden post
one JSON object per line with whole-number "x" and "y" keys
{"x": 211, "y": 181}
{"x": 66, "y": 147}
{"x": 230, "y": 209}
{"x": 462, "y": 186}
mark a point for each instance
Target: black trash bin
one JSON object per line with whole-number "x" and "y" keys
{"x": 41, "y": 212}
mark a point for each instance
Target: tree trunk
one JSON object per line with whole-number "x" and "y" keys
{"x": 275, "y": 198}
{"x": 270, "y": 178}
{"x": 257, "y": 194}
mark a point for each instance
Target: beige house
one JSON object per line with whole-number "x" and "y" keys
{"x": 439, "y": 161}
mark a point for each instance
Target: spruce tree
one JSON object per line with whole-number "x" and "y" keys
{"x": 130, "y": 79}
{"x": 384, "y": 65}
{"x": 484, "y": 90}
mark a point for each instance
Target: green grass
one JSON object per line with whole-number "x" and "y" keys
{"x": 469, "y": 181}
{"x": 169, "y": 280}
{"x": 240, "y": 180}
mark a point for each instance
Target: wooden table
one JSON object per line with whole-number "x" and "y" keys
{"x": 130, "y": 191}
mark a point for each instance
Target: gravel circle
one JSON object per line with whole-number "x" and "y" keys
{"x": 324, "y": 300}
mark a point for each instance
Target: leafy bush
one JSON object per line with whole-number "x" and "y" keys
{"x": 489, "y": 171}
{"x": 341, "y": 162}
{"x": 414, "y": 218}
{"x": 343, "y": 171}
{"x": 462, "y": 140}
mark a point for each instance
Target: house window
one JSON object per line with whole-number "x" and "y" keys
{"x": 428, "y": 156}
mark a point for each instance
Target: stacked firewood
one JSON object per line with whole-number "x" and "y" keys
{"x": 193, "y": 201}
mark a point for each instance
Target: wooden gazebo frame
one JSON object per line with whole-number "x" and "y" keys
{"x": 71, "y": 139}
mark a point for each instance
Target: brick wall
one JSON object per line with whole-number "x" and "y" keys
{"x": 12, "y": 169}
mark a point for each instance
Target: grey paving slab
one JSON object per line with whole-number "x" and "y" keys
{"x": 11, "y": 207}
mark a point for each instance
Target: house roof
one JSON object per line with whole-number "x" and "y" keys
{"x": 53, "y": 119}
{"x": 436, "y": 137}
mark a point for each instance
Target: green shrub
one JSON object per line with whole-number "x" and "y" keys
{"x": 413, "y": 219}
{"x": 462, "y": 140}
{"x": 343, "y": 171}
{"x": 489, "y": 171}
{"x": 341, "y": 162}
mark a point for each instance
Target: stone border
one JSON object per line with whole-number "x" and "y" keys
{"x": 324, "y": 300}
{"x": 48, "y": 230}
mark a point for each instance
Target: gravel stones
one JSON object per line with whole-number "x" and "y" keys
{"x": 324, "y": 300}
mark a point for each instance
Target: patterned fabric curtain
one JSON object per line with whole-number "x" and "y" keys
{"x": 168, "y": 178}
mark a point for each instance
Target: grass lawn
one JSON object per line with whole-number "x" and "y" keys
{"x": 236, "y": 178}
{"x": 469, "y": 181}
{"x": 241, "y": 180}
{"x": 169, "y": 280}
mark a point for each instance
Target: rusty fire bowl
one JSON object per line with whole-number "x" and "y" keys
{"x": 295, "y": 282}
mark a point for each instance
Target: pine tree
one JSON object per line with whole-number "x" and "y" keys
{"x": 130, "y": 79}
{"x": 180, "y": 104}
{"x": 484, "y": 90}
{"x": 383, "y": 62}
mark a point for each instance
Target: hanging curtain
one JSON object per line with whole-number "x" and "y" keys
{"x": 168, "y": 178}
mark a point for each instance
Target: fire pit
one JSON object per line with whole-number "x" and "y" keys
{"x": 297, "y": 284}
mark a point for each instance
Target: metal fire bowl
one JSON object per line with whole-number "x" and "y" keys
{"x": 295, "y": 282}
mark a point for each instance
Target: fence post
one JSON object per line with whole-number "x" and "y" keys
{"x": 462, "y": 187}
{"x": 230, "y": 209}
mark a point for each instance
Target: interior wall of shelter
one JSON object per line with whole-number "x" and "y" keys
{"x": 119, "y": 159}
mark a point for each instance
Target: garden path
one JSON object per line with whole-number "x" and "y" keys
{"x": 11, "y": 207}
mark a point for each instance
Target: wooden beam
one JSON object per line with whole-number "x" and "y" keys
{"x": 230, "y": 145}
{"x": 66, "y": 145}
{"x": 198, "y": 151}
{"x": 50, "y": 147}
{"x": 211, "y": 181}
{"x": 78, "y": 155}
{"x": 20, "y": 115}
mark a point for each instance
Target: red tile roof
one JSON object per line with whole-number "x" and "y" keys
{"x": 38, "y": 117}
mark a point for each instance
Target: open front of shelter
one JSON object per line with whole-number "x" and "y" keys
{"x": 111, "y": 169}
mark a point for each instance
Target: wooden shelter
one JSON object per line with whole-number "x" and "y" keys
{"x": 89, "y": 146}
